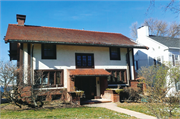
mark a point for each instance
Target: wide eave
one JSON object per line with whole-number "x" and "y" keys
{"x": 39, "y": 34}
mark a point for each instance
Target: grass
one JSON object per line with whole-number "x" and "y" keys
{"x": 140, "y": 107}
{"x": 81, "y": 112}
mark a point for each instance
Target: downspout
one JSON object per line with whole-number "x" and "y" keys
{"x": 129, "y": 67}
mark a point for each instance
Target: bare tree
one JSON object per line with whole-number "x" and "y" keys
{"x": 18, "y": 85}
{"x": 158, "y": 28}
{"x": 134, "y": 28}
{"x": 174, "y": 30}
{"x": 173, "y": 6}
{"x": 160, "y": 80}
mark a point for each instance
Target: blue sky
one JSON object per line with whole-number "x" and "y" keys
{"x": 106, "y": 16}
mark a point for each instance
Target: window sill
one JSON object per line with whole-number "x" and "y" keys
{"x": 49, "y": 88}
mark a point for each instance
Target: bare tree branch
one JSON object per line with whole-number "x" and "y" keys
{"x": 173, "y": 6}
{"x": 134, "y": 30}
{"x": 158, "y": 28}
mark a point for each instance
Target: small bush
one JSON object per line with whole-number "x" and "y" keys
{"x": 129, "y": 94}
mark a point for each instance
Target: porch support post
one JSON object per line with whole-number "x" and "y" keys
{"x": 97, "y": 86}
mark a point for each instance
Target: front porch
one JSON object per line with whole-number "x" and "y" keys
{"x": 94, "y": 84}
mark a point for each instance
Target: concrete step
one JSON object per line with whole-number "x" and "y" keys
{"x": 94, "y": 101}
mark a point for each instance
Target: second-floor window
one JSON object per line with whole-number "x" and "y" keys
{"x": 84, "y": 60}
{"x": 48, "y": 51}
{"x": 114, "y": 53}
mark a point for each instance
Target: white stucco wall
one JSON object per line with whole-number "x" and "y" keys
{"x": 66, "y": 59}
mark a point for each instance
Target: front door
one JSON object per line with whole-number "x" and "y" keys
{"x": 87, "y": 84}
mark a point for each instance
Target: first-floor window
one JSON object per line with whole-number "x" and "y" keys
{"x": 118, "y": 76}
{"x": 178, "y": 86}
{"x": 159, "y": 60}
{"x": 51, "y": 78}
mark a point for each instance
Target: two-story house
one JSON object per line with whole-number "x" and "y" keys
{"x": 73, "y": 59}
{"x": 161, "y": 49}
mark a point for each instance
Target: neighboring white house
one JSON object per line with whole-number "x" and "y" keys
{"x": 73, "y": 59}
{"x": 161, "y": 49}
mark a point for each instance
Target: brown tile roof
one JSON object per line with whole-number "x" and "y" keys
{"x": 88, "y": 72}
{"x": 66, "y": 36}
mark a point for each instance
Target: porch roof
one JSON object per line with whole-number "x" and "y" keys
{"x": 88, "y": 72}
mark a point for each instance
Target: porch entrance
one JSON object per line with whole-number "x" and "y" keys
{"x": 88, "y": 85}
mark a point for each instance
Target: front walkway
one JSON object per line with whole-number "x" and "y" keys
{"x": 113, "y": 106}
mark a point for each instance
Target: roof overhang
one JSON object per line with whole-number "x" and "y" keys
{"x": 88, "y": 72}
{"x": 78, "y": 44}
{"x": 174, "y": 48}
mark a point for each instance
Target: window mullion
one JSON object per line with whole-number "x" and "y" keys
{"x": 48, "y": 78}
{"x": 55, "y": 78}
{"x": 81, "y": 60}
{"x": 86, "y": 60}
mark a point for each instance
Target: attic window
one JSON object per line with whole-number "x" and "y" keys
{"x": 114, "y": 53}
{"x": 48, "y": 51}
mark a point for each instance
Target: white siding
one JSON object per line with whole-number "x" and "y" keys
{"x": 66, "y": 58}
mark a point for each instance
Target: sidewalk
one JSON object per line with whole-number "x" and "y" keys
{"x": 113, "y": 106}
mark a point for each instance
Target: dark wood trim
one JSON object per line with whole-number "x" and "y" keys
{"x": 21, "y": 56}
{"x": 55, "y": 78}
{"x": 118, "y": 51}
{"x": 54, "y": 70}
{"x": 18, "y": 52}
{"x": 54, "y": 52}
{"x": 133, "y": 64}
{"x": 10, "y": 51}
{"x": 48, "y": 78}
{"x": 62, "y": 75}
{"x": 125, "y": 75}
{"x": 86, "y": 54}
{"x": 128, "y": 63}
{"x": 78, "y": 44}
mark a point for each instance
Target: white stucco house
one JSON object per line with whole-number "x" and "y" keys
{"x": 161, "y": 49}
{"x": 73, "y": 59}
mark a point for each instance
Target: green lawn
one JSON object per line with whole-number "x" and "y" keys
{"x": 81, "y": 112}
{"x": 140, "y": 107}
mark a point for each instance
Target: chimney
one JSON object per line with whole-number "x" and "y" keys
{"x": 20, "y": 19}
{"x": 142, "y": 31}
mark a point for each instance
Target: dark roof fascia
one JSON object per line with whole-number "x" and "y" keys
{"x": 79, "y": 44}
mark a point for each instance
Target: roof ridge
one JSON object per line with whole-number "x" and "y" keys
{"x": 71, "y": 29}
